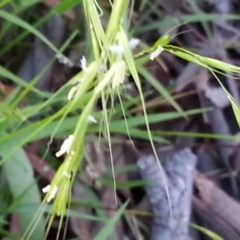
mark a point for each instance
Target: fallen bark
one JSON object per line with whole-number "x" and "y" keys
{"x": 216, "y": 208}
{"x": 174, "y": 183}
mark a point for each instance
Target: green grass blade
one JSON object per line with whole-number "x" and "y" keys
{"x": 65, "y": 5}
{"x": 108, "y": 228}
{"x": 23, "y": 24}
{"x": 20, "y": 177}
{"x": 159, "y": 87}
{"x": 207, "y": 232}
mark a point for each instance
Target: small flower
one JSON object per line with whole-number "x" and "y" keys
{"x": 117, "y": 49}
{"x": 65, "y": 146}
{"x": 157, "y": 52}
{"x": 119, "y": 75}
{"x": 61, "y": 59}
{"x": 67, "y": 175}
{"x": 64, "y": 60}
{"x": 83, "y": 63}
{"x": 71, "y": 93}
{"x": 46, "y": 189}
{"x": 134, "y": 42}
{"x": 92, "y": 119}
{"x": 70, "y": 64}
{"x": 52, "y": 192}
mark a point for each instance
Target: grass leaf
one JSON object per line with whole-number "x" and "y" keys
{"x": 24, "y": 189}
{"x": 23, "y": 24}
{"x": 108, "y": 228}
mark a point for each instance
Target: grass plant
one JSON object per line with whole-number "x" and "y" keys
{"x": 103, "y": 79}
